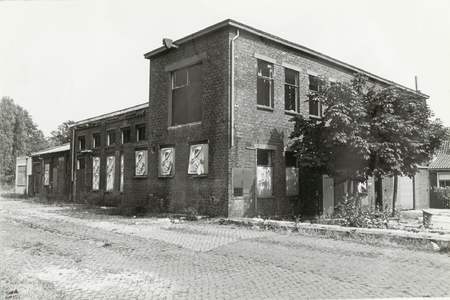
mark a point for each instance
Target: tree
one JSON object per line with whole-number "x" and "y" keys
{"x": 19, "y": 136}
{"x": 62, "y": 134}
{"x": 367, "y": 130}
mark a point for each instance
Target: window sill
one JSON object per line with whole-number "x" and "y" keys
{"x": 269, "y": 197}
{"x": 140, "y": 177}
{"x": 266, "y": 108}
{"x": 163, "y": 177}
{"x": 291, "y": 112}
{"x": 172, "y": 127}
{"x": 315, "y": 117}
{"x": 199, "y": 176}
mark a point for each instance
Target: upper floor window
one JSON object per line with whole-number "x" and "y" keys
{"x": 140, "y": 132}
{"x": 111, "y": 137}
{"x": 81, "y": 143}
{"x": 126, "y": 135}
{"x": 315, "y": 107}
{"x": 291, "y": 90}
{"x": 265, "y": 84}
{"x": 96, "y": 140}
{"x": 187, "y": 95}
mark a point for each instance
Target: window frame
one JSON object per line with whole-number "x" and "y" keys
{"x": 81, "y": 142}
{"x": 188, "y": 94}
{"x": 261, "y": 88}
{"x": 96, "y": 139}
{"x": 313, "y": 88}
{"x": 108, "y": 137}
{"x": 122, "y": 135}
{"x": 140, "y": 133}
{"x": 296, "y": 89}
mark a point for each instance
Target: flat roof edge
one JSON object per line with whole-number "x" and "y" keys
{"x": 111, "y": 114}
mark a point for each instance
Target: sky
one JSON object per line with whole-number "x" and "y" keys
{"x": 72, "y": 60}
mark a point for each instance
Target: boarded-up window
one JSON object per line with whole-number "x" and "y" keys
{"x": 110, "y": 168}
{"x": 47, "y": 174}
{"x": 21, "y": 175}
{"x": 141, "y": 162}
{"x": 198, "y": 159}
{"x": 187, "y": 95}
{"x": 292, "y": 174}
{"x": 242, "y": 181}
{"x": 122, "y": 165}
{"x": 166, "y": 161}
{"x": 265, "y": 84}
{"x": 264, "y": 173}
{"x": 95, "y": 173}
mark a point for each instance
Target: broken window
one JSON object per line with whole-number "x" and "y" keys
{"x": 314, "y": 104}
{"x": 140, "y": 132}
{"x": 291, "y": 90}
{"x": 264, "y": 173}
{"x": 126, "y": 135}
{"x": 111, "y": 138}
{"x": 265, "y": 84}
{"x": 96, "y": 140}
{"x": 187, "y": 95}
{"x": 81, "y": 163}
{"x": 81, "y": 143}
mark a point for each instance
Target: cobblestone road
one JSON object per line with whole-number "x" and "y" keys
{"x": 113, "y": 258}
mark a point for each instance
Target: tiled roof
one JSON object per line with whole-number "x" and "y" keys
{"x": 442, "y": 160}
{"x": 62, "y": 148}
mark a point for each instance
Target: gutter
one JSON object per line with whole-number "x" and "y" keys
{"x": 232, "y": 90}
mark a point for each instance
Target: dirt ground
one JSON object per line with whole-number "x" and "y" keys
{"x": 62, "y": 252}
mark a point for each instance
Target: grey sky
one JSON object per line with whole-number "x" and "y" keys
{"x": 64, "y": 60}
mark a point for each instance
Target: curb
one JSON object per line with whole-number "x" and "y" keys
{"x": 432, "y": 235}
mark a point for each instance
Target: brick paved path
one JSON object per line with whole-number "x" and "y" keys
{"x": 151, "y": 259}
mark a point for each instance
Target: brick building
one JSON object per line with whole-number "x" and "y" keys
{"x": 229, "y": 92}
{"x": 50, "y": 173}
{"x": 109, "y": 155}
{"x": 215, "y": 134}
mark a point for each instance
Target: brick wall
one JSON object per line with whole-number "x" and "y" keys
{"x": 208, "y": 194}
{"x": 268, "y": 127}
{"x": 136, "y": 189}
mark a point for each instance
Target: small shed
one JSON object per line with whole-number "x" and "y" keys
{"x": 51, "y": 172}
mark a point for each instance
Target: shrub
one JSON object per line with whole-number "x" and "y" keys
{"x": 351, "y": 210}
{"x": 191, "y": 213}
{"x": 441, "y": 197}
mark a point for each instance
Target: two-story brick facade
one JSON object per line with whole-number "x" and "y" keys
{"x": 230, "y": 91}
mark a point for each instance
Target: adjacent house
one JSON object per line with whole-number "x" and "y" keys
{"x": 23, "y": 170}
{"x": 50, "y": 173}
{"x": 440, "y": 174}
